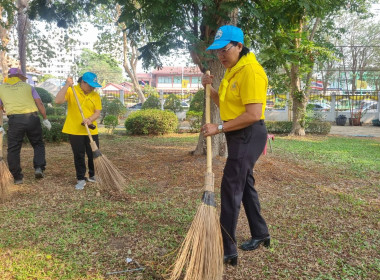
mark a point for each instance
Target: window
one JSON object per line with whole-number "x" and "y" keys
{"x": 195, "y": 80}
{"x": 177, "y": 80}
{"x": 164, "y": 80}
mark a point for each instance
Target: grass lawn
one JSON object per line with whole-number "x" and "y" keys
{"x": 320, "y": 196}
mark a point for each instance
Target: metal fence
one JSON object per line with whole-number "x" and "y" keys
{"x": 130, "y": 99}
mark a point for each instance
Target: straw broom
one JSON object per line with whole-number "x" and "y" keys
{"x": 108, "y": 176}
{"x": 201, "y": 253}
{"x": 5, "y": 175}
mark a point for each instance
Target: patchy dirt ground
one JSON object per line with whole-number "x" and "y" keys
{"x": 323, "y": 224}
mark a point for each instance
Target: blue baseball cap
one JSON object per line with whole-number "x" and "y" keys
{"x": 225, "y": 35}
{"x": 91, "y": 79}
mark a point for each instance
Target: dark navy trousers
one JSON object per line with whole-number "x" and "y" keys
{"x": 244, "y": 148}
{"x": 20, "y": 125}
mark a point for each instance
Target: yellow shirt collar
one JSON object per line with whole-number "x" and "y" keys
{"x": 13, "y": 80}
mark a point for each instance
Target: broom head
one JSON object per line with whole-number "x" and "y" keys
{"x": 5, "y": 180}
{"x": 201, "y": 253}
{"x": 109, "y": 177}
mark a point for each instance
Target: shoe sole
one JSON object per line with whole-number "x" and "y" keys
{"x": 38, "y": 175}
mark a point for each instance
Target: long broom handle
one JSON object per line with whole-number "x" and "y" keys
{"x": 94, "y": 147}
{"x": 208, "y": 120}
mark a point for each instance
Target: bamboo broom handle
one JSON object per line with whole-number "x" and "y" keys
{"x": 208, "y": 120}
{"x": 92, "y": 142}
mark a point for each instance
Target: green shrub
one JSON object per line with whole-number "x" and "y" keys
{"x": 197, "y": 103}
{"x": 55, "y": 133}
{"x": 195, "y": 120}
{"x": 153, "y": 102}
{"x": 318, "y": 127}
{"x": 110, "y": 122}
{"x": 313, "y": 127}
{"x": 55, "y": 110}
{"x": 151, "y": 121}
{"x": 116, "y": 108}
{"x": 112, "y": 107}
{"x": 173, "y": 103}
{"x": 46, "y": 97}
{"x": 278, "y": 126}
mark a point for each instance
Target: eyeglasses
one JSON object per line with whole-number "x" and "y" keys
{"x": 223, "y": 51}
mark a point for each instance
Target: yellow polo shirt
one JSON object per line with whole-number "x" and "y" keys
{"x": 245, "y": 83}
{"x": 89, "y": 104}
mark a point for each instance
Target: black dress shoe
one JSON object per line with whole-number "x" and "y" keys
{"x": 231, "y": 259}
{"x": 253, "y": 244}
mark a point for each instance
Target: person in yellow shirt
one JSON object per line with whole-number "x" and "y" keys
{"x": 241, "y": 98}
{"x": 79, "y": 140}
{"x": 21, "y": 102}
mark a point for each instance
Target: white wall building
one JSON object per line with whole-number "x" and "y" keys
{"x": 61, "y": 64}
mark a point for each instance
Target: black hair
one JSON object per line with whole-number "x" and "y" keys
{"x": 79, "y": 80}
{"x": 243, "y": 52}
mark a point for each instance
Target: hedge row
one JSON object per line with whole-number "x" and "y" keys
{"x": 151, "y": 121}
{"x": 314, "y": 127}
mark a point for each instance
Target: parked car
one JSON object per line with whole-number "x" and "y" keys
{"x": 185, "y": 105}
{"x": 367, "y": 106}
{"x": 318, "y": 106}
{"x": 135, "y": 107}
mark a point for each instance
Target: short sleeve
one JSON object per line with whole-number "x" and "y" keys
{"x": 253, "y": 86}
{"x": 35, "y": 94}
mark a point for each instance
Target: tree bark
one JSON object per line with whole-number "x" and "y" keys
{"x": 218, "y": 141}
{"x": 129, "y": 65}
{"x": 22, "y": 32}
{"x": 298, "y": 96}
{"x": 4, "y": 37}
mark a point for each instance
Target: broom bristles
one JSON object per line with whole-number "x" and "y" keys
{"x": 201, "y": 253}
{"x": 5, "y": 180}
{"x": 109, "y": 177}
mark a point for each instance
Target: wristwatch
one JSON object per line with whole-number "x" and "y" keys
{"x": 220, "y": 128}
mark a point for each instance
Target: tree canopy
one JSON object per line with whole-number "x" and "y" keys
{"x": 103, "y": 65}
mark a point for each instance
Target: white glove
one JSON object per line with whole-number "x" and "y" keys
{"x": 2, "y": 130}
{"x": 47, "y": 124}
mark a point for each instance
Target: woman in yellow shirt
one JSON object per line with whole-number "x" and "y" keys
{"x": 79, "y": 140}
{"x": 241, "y": 98}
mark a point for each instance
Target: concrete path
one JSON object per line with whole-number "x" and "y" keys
{"x": 356, "y": 131}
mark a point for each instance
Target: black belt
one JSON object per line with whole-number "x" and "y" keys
{"x": 24, "y": 115}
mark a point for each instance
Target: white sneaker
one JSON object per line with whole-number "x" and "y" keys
{"x": 91, "y": 179}
{"x": 80, "y": 184}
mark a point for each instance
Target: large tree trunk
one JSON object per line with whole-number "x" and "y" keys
{"x": 130, "y": 64}
{"x": 4, "y": 38}
{"x": 22, "y": 32}
{"x": 298, "y": 95}
{"x": 218, "y": 141}
{"x": 219, "y": 146}
{"x": 299, "y": 103}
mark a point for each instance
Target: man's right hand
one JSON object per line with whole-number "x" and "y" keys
{"x": 206, "y": 79}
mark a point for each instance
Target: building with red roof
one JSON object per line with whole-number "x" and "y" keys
{"x": 172, "y": 79}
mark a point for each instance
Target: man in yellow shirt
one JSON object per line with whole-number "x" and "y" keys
{"x": 79, "y": 140}
{"x": 21, "y": 102}
{"x": 241, "y": 98}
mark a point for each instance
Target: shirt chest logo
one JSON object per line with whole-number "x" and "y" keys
{"x": 233, "y": 86}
